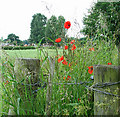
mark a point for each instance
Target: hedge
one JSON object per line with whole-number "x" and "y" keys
{"x": 18, "y": 47}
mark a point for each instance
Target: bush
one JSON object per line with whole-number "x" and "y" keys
{"x": 18, "y": 47}
{"x": 52, "y": 47}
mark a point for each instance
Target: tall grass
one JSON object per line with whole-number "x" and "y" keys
{"x": 64, "y": 97}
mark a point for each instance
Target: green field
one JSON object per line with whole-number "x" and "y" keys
{"x": 32, "y": 53}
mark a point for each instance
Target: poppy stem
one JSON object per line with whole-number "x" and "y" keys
{"x": 56, "y": 66}
{"x": 119, "y": 54}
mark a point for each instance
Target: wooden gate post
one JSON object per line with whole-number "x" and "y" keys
{"x": 109, "y": 103}
{"x": 49, "y": 85}
{"x": 26, "y": 70}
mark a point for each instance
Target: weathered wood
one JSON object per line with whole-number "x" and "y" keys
{"x": 26, "y": 70}
{"x": 107, "y": 104}
{"x": 49, "y": 85}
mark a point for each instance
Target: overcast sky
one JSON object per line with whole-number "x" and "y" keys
{"x": 16, "y": 15}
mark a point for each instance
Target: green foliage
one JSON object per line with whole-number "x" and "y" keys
{"x": 64, "y": 100}
{"x": 18, "y": 47}
{"x": 38, "y": 28}
{"x": 55, "y": 28}
{"x": 41, "y": 29}
{"x": 13, "y": 39}
{"x": 26, "y": 42}
{"x": 60, "y": 27}
{"x": 51, "y": 28}
{"x": 103, "y": 19}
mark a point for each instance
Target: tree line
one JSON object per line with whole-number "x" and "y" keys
{"x": 42, "y": 30}
{"x": 103, "y": 20}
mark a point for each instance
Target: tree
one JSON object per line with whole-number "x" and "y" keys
{"x": 51, "y": 28}
{"x": 60, "y": 27}
{"x": 13, "y": 39}
{"x": 103, "y": 18}
{"x": 111, "y": 18}
{"x": 38, "y": 28}
{"x": 90, "y": 23}
{"x": 55, "y": 28}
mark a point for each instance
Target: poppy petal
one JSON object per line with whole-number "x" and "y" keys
{"x": 67, "y": 24}
{"x": 91, "y": 49}
{"x": 73, "y": 41}
{"x": 66, "y": 47}
{"x": 90, "y": 71}
{"x": 65, "y": 62}
{"x": 60, "y": 59}
{"x": 73, "y": 47}
{"x": 68, "y": 77}
{"x": 58, "y": 40}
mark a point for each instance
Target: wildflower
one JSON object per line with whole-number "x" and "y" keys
{"x": 66, "y": 47}
{"x": 70, "y": 64}
{"x": 7, "y": 82}
{"x": 109, "y": 63}
{"x": 67, "y": 78}
{"x": 65, "y": 62}
{"x": 58, "y": 40}
{"x": 73, "y": 47}
{"x": 60, "y": 59}
{"x": 79, "y": 99}
{"x": 91, "y": 49}
{"x": 90, "y": 71}
{"x": 67, "y": 24}
{"x": 73, "y": 41}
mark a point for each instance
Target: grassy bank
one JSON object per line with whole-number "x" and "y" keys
{"x": 66, "y": 98}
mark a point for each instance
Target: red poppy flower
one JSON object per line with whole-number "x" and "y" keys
{"x": 73, "y": 41}
{"x": 90, "y": 71}
{"x": 65, "y": 62}
{"x": 58, "y": 40}
{"x": 67, "y": 24}
{"x": 73, "y": 47}
{"x": 67, "y": 78}
{"x": 69, "y": 64}
{"x": 79, "y": 99}
{"x": 7, "y": 82}
{"x": 91, "y": 49}
{"x": 109, "y": 63}
{"x": 66, "y": 47}
{"x": 60, "y": 59}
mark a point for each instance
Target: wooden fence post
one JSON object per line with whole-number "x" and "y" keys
{"x": 49, "y": 85}
{"x": 26, "y": 69}
{"x": 106, "y": 97}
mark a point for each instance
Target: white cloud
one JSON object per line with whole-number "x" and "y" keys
{"x": 16, "y": 15}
